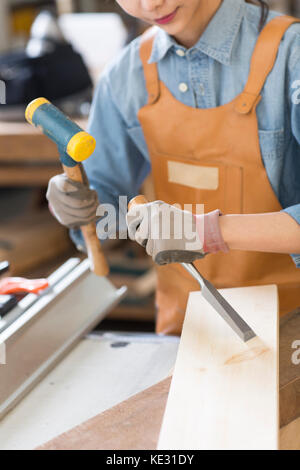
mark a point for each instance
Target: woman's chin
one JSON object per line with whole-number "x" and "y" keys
{"x": 173, "y": 29}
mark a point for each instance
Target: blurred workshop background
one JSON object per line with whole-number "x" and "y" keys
{"x": 30, "y": 238}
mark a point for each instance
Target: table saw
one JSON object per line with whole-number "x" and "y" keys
{"x": 102, "y": 370}
{"x": 41, "y": 329}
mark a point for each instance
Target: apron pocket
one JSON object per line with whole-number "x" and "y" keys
{"x": 193, "y": 176}
{"x": 215, "y": 185}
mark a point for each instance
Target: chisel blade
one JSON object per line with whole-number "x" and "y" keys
{"x": 217, "y": 301}
{"x": 227, "y": 312}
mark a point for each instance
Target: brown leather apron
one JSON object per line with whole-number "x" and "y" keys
{"x": 212, "y": 157}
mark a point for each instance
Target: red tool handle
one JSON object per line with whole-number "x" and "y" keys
{"x": 18, "y": 285}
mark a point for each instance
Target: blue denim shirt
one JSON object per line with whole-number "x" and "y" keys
{"x": 215, "y": 71}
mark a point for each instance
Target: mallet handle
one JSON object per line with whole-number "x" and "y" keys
{"x": 96, "y": 256}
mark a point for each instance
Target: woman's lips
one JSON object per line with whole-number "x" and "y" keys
{"x": 167, "y": 19}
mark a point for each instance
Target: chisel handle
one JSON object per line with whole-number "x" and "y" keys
{"x": 137, "y": 201}
{"x": 96, "y": 256}
{"x": 174, "y": 256}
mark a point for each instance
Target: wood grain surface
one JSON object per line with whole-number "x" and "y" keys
{"x": 224, "y": 393}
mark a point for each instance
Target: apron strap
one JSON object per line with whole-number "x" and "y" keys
{"x": 263, "y": 60}
{"x": 150, "y": 70}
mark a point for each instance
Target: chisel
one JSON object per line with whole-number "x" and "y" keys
{"x": 209, "y": 292}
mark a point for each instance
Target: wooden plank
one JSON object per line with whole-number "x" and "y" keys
{"x": 289, "y": 371}
{"x": 290, "y": 436}
{"x": 224, "y": 393}
{"x": 132, "y": 425}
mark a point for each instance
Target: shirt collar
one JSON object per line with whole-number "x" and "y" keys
{"x": 216, "y": 41}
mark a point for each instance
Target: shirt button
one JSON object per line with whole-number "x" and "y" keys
{"x": 180, "y": 52}
{"x": 202, "y": 89}
{"x": 183, "y": 87}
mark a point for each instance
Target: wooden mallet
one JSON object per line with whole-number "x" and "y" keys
{"x": 74, "y": 145}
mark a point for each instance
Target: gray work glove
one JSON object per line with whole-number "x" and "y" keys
{"x": 73, "y": 204}
{"x": 169, "y": 234}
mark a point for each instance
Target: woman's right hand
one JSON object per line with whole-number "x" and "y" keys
{"x": 73, "y": 204}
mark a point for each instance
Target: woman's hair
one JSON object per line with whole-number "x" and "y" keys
{"x": 264, "y": 11}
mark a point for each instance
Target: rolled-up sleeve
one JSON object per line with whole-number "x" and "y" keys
{"x": 117, "y": 167}
{"x": 293, "y": 97}
{"x": 294, "y": 211}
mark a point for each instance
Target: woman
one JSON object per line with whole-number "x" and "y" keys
{"x": 207, "y": 101}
